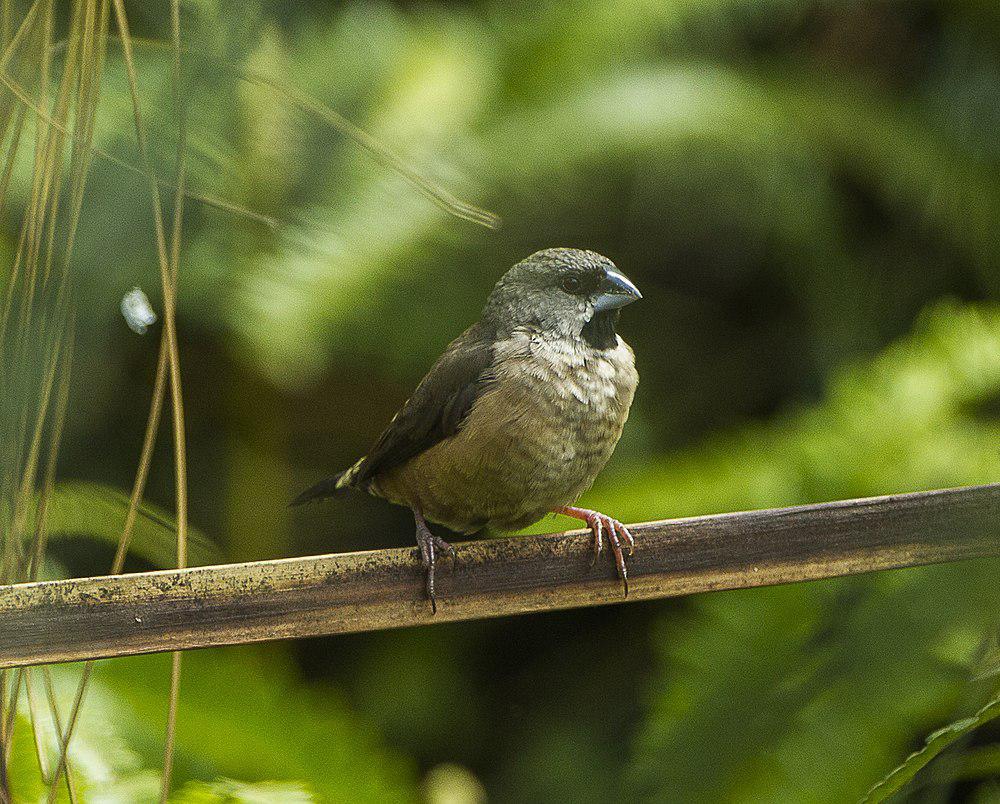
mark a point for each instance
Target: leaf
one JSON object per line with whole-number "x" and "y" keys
{"x": 224, "y": 791}
{"x": 96, "y": 511}
{"x": 244, "y": 714}
{"x": 105, "y": 769}
{"x": 806, "y": 692}
{"x": 809, "y": 692}
{"x": 23, "y": 771}
{"x": 779, "y": 135}
{"x": 937, "y": 742}
{"x": 108, "y": 771}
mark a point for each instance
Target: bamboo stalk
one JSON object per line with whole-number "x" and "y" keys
{"x": 120, "y": 615}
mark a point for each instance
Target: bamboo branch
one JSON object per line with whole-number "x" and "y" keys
{"x": 120, "y": 615}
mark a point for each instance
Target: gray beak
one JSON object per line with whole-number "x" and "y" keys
{"x": 617, "y": 290}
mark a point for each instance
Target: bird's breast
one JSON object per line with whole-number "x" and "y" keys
{"x": 535, "y": 440}
{"x": 567, "y": 388}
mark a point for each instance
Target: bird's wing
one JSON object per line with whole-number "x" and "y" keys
{"x": 437, "y": 408}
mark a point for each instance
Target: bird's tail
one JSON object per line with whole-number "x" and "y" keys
{"x": 330, "y": 486}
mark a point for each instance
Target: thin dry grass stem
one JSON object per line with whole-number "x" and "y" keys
{"x": 138, "y": 489}
{"x": 12, "y": 556}
{"x": 172, "y": 705}
{"x": 64, "y": 736}
{"x": 28, "y": 26}
{"x": 91, "y": 69}
{"x": 50, "y": 694}
{"x": 43, "y": 247}
{"x": 34, "y": 219}
{"x": 52, "y": 176}
{"x": 34, "y": 714}
{"x": 7, "y": 727}
{"x": 168, "y": 270}
{"x": 43, "y": 309}
{"x": 145, "y": 457}
{"x": 12, "y": 115}
{"x": 165, "y": 272}
{"x": 210, "y": 200}
{"x": 4, "y": 784}
{"x": 170, "y": 273}
{"x": 10, "y": 45}
{"x": 14, "y": 42}
{"x": 174, "y": 272}
{"x": 28, "y": 336}
{"x": 37, "y": 553}
{"x": 382, "y": 154}
{"x": 376, "y": 149}
{"x": 35, "y": 717}
{"x": 18, "y": 117}
{"x": 36, "y": 249}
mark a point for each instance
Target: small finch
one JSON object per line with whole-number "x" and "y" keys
{"x": 518, "y": 416}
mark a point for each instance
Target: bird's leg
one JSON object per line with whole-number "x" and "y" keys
{"x": 601, "y": 524}
{"x": 430, "y": 545}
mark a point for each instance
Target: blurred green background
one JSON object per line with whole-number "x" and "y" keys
{"x": 807, "y": 194}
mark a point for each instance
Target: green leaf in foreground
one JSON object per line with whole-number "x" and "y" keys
{"x": 937, "y": 742}
{"x": 245, "y": 714}
{"x": 97, "y": 511}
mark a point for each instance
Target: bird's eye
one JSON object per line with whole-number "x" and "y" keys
{"x": 571, "y": 284}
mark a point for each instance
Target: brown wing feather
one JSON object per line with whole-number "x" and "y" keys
{"x": 434, "y": 412}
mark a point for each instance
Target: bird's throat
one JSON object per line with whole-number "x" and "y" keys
{"x": 599, "y": 332}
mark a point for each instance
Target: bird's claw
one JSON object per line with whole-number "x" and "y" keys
{"x": 429, "y": 546}
{"x": 597, "y": 529}
{"x": 604, "y": 527}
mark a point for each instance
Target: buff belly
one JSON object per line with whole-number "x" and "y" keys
{"x": 534, "y": 441}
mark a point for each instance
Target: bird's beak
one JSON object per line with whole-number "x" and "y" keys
{"x": 617, "y": 290}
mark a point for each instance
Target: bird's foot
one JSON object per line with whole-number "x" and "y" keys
{"x": 430, "y": 545}
{"x": 603, "y": 526}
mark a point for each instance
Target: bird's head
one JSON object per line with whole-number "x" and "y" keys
{"x": 562, "y": 291}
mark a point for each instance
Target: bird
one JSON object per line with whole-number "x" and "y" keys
{"x": 517, "y": 417}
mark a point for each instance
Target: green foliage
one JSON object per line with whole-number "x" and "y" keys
{"x": 104, "y": 769}
{"x": 937, "y": 742}
{"x": 775, "y": 132}
{"x": 227, "y": 791}
{"x": 804, "y": 693}
{"x": 807, "y": 193}
{"x": 245, "y": 715}
{"x": 909, "y": 420}
{"x": 102, "y": 764}
{"x": 82, "y": 509}
{"x": 23, "y": 770}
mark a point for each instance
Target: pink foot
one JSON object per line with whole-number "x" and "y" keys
{"x": 601, "y": 524}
